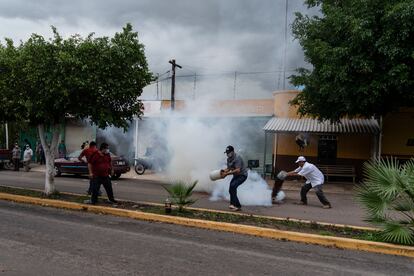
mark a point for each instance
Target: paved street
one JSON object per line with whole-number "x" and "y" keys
{"x": 45, "y": 241}
{"x": 345, "y": 210}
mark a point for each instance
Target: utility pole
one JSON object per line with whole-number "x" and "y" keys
{"x": 195, "y": 82}
{"x": 284, "y": 50}
{"x": 173, "y": 64}
{"x": 234, "y": 85}
{"x": 158, "y": 77}
{"x": 6, "y": 128}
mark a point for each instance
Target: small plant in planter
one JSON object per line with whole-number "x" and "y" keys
{"x": 387, "y": 194}
{"x": 180, "y": 193}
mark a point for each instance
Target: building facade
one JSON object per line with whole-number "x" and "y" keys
{"x": 350, "y": 142}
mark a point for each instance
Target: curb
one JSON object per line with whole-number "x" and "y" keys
{"x": 354, "y": 227}
{"x": 344, "y": 243}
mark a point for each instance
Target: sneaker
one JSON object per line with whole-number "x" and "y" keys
{"x": 328, "y": 206}
{"x": 301, "y": 203}
{"x": 113, "y": 201}
{"x": 88, "y": 201}
{"x": 232, "y": 207}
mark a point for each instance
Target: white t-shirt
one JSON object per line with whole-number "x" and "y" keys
{"x": 27, "y": 155}
{"x": 312, "y": 174}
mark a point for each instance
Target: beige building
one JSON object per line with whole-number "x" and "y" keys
{"x": 346, "y": 144}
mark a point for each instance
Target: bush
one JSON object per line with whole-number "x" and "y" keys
{"x": 180, "y": 194}
{"x": 387, "y": 194}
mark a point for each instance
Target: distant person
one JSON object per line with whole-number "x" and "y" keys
{"x": 16, "y": 153}
{"x": 87, "y": 153}
{"x": 62, "y": 149}
{"x": 314, "y": 179}
{"x": 26, "y": 142}
{"x": 42, "y": 155}
{"x": 27, "y": 158}
{"x": 277, "y": 186}
{"x": 101, "y": 165}
{"x": 236, "y": 167}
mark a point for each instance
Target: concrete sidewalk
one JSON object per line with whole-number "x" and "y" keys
{"x": 332, "y": 187}
{"x": 148, "y": 188}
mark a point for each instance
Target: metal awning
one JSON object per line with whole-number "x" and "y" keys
{"x": 350, "y": 126}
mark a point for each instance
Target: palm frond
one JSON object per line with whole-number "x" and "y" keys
{"x": 396, "y": 233}
{"x": 408, "y": 170}
{"x": 381, "y": 176}
{"x": 387, "y": 194}
{"x": 372, "y": 202}
{"x": 180, "y": 194}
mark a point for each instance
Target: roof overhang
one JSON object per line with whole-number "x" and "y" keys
{"x": 308, "y": 125}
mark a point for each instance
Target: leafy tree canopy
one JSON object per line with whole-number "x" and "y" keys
{"x": 362, "y": 57}
{"x": 42, "y": 81}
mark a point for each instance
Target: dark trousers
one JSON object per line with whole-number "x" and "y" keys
{"x": 236, "y": 181}
{"x": 16, "y": 164}
{"x": 91, "y": 187}
{"x": 96, "y": 185}
{"x": 276, "y": 187}
{"x": 319, "y": 192}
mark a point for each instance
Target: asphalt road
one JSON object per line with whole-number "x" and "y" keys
{"x": 345, "y": 210}
{"x": 45, "y": 241}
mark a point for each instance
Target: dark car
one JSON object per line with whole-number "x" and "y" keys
{"x": 72, "y": 165}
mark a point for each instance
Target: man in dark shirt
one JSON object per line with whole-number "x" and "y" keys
{"x": 101, "y": 165}
{"x": 236, "y": 167}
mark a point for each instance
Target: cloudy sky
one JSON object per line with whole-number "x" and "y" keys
{"x": 211, "y": 39}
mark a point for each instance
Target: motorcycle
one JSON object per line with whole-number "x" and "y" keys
{"x": 143, "y": 164}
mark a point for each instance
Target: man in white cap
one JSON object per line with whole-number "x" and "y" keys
{"x": 314, "y": 179}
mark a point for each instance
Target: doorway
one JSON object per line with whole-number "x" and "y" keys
{"x": 327, "y": 149}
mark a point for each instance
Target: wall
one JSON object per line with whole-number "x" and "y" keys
{"x": 351, "y": 149}
{"x": 354, "y": 146}
{"x": 397, "y": 129}
{"x": 282, "y": 108}
{"x": 78, "y": 132}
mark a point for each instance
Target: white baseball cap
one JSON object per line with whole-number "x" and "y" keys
{"x": 300, "y": 158}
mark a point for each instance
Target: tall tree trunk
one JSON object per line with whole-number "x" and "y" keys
{"x": 50, "y": 151}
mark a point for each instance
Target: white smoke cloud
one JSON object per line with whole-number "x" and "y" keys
{"x": 196, "y": 140}
{"x": 254, "y": 191}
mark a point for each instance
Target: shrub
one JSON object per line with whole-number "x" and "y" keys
{"x": 387, "y": 194}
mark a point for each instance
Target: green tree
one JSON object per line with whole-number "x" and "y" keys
{"x": 43, "y": 81}
{"x": 362, "y": 57}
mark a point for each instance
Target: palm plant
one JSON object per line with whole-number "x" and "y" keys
{"x": 180, "y": 194}
{"x": 387, "y": 194}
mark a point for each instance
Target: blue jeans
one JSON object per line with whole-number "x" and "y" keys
{"x": 235, "y": 182}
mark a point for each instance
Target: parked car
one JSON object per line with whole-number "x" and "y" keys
{"x": 6, "y": 159}
{"x": 71, "y": 165}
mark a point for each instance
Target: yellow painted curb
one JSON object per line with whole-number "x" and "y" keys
{"x": 344, "y": 243}
{"x": 354, "y": 227}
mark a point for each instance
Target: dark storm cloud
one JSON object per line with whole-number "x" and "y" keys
{"x": 213, "y": 35}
